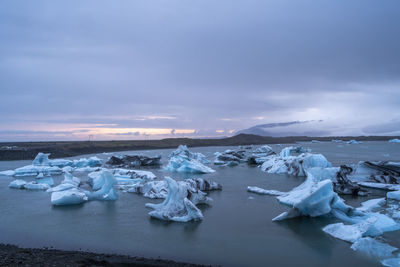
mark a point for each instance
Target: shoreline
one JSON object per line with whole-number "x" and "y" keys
{"x": 11, "y": 255}
{"x": 28, "y": 150}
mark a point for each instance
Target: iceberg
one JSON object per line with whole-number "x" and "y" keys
{"x": 7, "y": 173}
{"x": 395, "y": 140}
{"x": 353, "y": 142}
{"x": 294, "y": 165}
{"x": 392, "y": 262}
{"x": 258, "y": 190}
{"x": 38, "y": 184}
{"x": 159, "y": 189}
{"x": 391, "y": 187}
{"x": 182, "y": 160}
{"x": 350, "y": 233}
{"x": 395, "y": 195}
{"x": 107, "y": 191}
{"x": 70, "y": 196}
{"x": 69, "y": 182}
{"x": 17, "y": 184}
{"x": 229, "y": 157}
{"x": 132, "y": 161}
{"x": 84, "y": 162}
{"x": 372, "y": 204}
{"x": 35, "y": 170}
{"x": 288, "y": 151}
{"x": 34, "y": 185}
{"x": 373, "y": 247}
{"x": 41, "y": 159}
{"x": 183, "y": 151}
{"x": 176, "y": 206}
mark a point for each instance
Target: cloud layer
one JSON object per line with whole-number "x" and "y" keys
{"x": 197, "y": 68}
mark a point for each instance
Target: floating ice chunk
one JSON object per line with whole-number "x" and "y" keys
{"x": 7, "y": 173}
{"x": 353, "y": 142}
{"x": 337, "y": 141}
{"x": 123, "y": 177}
{"x": 46, "y": 180}
{"x": 41, "y": 159}
{"x": 69, "y": 182}
{"x": 176, "y": 206}
{"x": 258, "y": 190}
{"x": 265, "y": 149}
{"x": 182, "y": 160}
{"x": 179, "y": 164}
{"x": 32, "y": 170}
{"x": 315, "y": 141}
{"x": 133, "y": 174}
{"x": 34, "y": 185}
{"x": 393, "y": 187}
{"x": 295, "y": 165}
{"x": 67, "y": 169}
{"x": 159, "y": 189}
{"x": 394, "y": 140}
{"x": 203, "y": 184}
{"x": 152, "y": 189}
{"x": 287, "y": 151}
{"x": 373, "y": 247}
{"x": 107, "y": 191}
{"x": 87, "y": 169}
{"x": 183, "y": 151}
{"x": 131, "y": 161}
{"x": 71, "y": 196}
{"x": 350, "y": 233}
{"x": 393, "y": 195}
{"x": 321, "y": 173}
{"x": 84, "y": 162}
{"x": 61, "y": 163}
{"x": 392, "y": 262}
{"x": 372, "y": 204}
{"x": 17, "y": 184}
{"x": 313, "y": 198}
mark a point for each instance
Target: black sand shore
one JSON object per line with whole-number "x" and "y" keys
{"x": 15, "y": 256}
{"x": 28, "y": 150}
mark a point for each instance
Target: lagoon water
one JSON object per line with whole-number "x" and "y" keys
{"x": 237, "y": 230}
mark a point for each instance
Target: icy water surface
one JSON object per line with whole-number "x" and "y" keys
{"x": 236, "y": 231}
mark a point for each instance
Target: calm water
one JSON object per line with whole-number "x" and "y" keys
{"x": 236, "y": 231}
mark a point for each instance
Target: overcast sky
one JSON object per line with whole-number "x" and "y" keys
{"x": 154, "y": 68}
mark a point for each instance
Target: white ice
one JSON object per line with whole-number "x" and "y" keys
{"x": 353, "y": 142}
{"x": 372, "y": 204}
{"x": 350, "y": 233}
{"x": 395, "y": 195}
{"x": 107, "y": 191}
{"x": 258, "y": 190}
{"x": 373, "y": 247}
{"x": 392, "y": 187}
{"x": 70, "y": 196}
{"x": 176, "y": 206}
{"x": 294, "y": 165}
{"x": 17, "y": 184}
{"x": 392, "y": 262}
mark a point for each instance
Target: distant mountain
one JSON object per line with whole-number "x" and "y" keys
{"x": 279, "y": 129}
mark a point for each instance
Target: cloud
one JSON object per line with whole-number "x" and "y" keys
{"x": 180, "y": 65}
